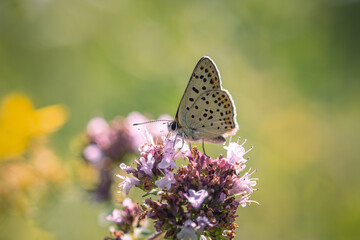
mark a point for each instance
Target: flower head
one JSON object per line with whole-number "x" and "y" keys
{"x": 128, "y": 221}
{"x": 203, "y": 194}
{"x": 108, "y": 142}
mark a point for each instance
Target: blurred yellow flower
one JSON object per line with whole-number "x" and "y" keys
{"x": 19, "y": 121}
{"x": 27, "y": 179}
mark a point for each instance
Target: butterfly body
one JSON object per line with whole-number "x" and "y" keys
{"x": 193, "y": 135}
{"x": 206, "y": 111}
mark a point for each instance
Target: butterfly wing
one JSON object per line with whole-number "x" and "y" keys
{"x": 212, "y": 115}
{"x": 206, "y": 110}
{"x": 204, "y": 77}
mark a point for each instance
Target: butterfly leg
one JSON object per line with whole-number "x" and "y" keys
{"x": 168, "y": 135}
{"x": 183, "y": 140}
{"x": 204, "y": 147}
{"x": 175, "y": 140}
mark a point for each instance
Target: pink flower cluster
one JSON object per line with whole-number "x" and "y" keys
{"x": 111, "y": 142}
{"x": 118, "y": 137}
{"x": 128, "y": 221}
{"x": 198, "y": 199}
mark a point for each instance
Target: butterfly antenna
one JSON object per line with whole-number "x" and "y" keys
{"x": 136, "y": 124}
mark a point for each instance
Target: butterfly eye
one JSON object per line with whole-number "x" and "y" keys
{"x": 173, "y": 126}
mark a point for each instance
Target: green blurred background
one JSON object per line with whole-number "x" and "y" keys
{"x": 292, "y": 67}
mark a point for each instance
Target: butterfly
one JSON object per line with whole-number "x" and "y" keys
{"x": 206, "y": 111}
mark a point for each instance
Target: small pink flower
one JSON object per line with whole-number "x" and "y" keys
{"x": 170, "y": 155}
{"x": 166, "y": 181}
{"x": 141, "y": 134}
{"x": 244, "y": 200}
{"x": 188, "y": 231}
{"x": 99, "y": 130}
{"x": 196, "y": 198}
{"x": 97, "y": 126}
{"x": 222, "y": 197}
{"x": 127, "y": 183}
{"x": 93, "y": 153}
{"x": 116, "y": 217}
{"x": 235, "y": 155}
{"x": 136, "y": 132}
{"x": 147, "y": 164}
{"x": 149, "y": 141}
{"x": 182, "y": 146}
{"x": 202, "y": 223}
{"x": 244, "y": 184}
{"x": 129, "y": 204}
{"x": 127, "y": 168}
{"x": 169, "y": 152}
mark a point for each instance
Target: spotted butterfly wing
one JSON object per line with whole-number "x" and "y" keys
{"x": 206, "y": 111}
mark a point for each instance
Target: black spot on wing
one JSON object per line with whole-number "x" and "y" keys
{"x": 195, "y": 89}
